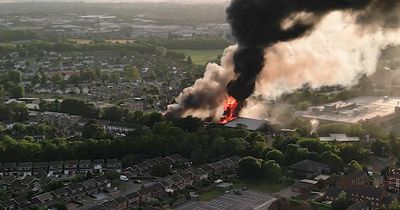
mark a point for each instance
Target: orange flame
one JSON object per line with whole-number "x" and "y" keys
{"x": 230, "y": 110}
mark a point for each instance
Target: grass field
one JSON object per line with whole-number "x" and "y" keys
{"x": 201, "y": 57}
{"x": 210, "y": 195}
{"x": 262, "y": 186}
{"x": 80, "y": 41}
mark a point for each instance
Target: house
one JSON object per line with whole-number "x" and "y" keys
{"x": 9, "y": 168}
{"x": 187, "y": 179}
{"x": 17, "y": 187}
{"x": 133, "y": 198}
{"x": 56, "y": 167}
{"x": 111, "y": 204}
{"x": 90, "y": 186}
{"x": 353, "y": 178}
{"x": 178, "y": 161}
{"x": 40, "y": 169}
{"x": 61, "y": 194}
{"x": 71, "y": 167}
{"x": 7, "y": 205}
{"x": 21, "y": 202}
{"x": 179, "y": 182}
{"x": 304, "y": 186}
{"x": 24, "y": 169}
{"x": 77, "y": 191}
{"x": 308, "y": 169}
{"x": 284, "y": 204}
{"x": 144, "y": 169}
{"x": 227, "y": 164}
{"x": 122, "y": 202}
{"x": 7, "y": 181}
{"x": 198, "y": 174}
{"x": 85, "y": 166}
{"x": 217, "y": 168}
{"x": 29, "y": 181}
{"x": 377, "y": 197}
{"x": 102, "y": 182}
{"x": 44, "y": 199}
{"x": 98, "y": 165}
{"x": 153, "y": 191}
{"x": 206, "y": 168}
{"x": 132, "y": 172}
{"x": 114, "y": 164}
{"x": 391, "y": 181}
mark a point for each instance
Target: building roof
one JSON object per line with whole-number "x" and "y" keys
{"x": 132, "y": 195}
{"x": 44, "y": 197}
{"x": 60, "y": 191}
{"x": 361, "y": 205}
{"x": 110, "y": 204}
{"x": 339, "y": 138}
{"x": 250, "y": 124}
{"x": 88, "y": 183}
{"x": 25, "y": 164}
{"x": 309, "y": 166}
{"x": 121, "y": 200}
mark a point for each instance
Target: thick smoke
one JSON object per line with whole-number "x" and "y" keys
{"x": 284, "y": 44}
{"x": 208, "y": 93}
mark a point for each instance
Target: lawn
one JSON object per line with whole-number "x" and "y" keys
{"x": 262, "y": 186}
{"x": 210, "y": 195}
{"x": 201, "y": 57}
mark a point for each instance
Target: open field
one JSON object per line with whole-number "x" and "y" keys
{"x": 80, "y": 41}
{"x": 201, "y": 57}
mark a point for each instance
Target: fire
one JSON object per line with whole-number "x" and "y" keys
{"x": 230, "y": 110}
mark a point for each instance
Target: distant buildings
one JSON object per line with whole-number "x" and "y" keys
{"x": 355, "y": 110}
{"x": 339, "y": 138}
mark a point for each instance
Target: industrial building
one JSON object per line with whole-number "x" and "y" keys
{"x": 355, "y": 110}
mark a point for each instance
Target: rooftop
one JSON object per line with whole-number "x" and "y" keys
{"x": 250, "y": 124}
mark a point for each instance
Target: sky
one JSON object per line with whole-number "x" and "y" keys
{"x": 133, "y": 1}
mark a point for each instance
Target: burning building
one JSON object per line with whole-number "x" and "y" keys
{"x": 283, "y": 45}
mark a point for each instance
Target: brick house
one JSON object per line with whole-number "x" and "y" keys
{"x": 353, "y": 178}
{"x": 40, "y": 169}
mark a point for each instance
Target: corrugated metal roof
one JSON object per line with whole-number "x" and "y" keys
{"x": 250, "y": 124}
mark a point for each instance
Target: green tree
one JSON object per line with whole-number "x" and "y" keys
{"x": 334, "y": 161}
{"x": 189, "y": 60}
{"x": 198, "y": 156}
{"x": 132, "y": 73}
{"x": 18, "y": 91}
{"x": 114, "y": 113}
{"x": 379, "y": 148}
{"x": 14, "y": 76}
{"x": 275, "y": 155}
{"x": 93, "y": 131}
{"x": 355, "y": 166}
{"x": 249, "y": 168}
{"x": 271, "y": 170}
{"x": 60, "y": 206}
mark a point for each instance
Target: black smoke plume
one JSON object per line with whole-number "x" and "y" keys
{"x": 257, "y": 24}
{"x": 261, "y": 24}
